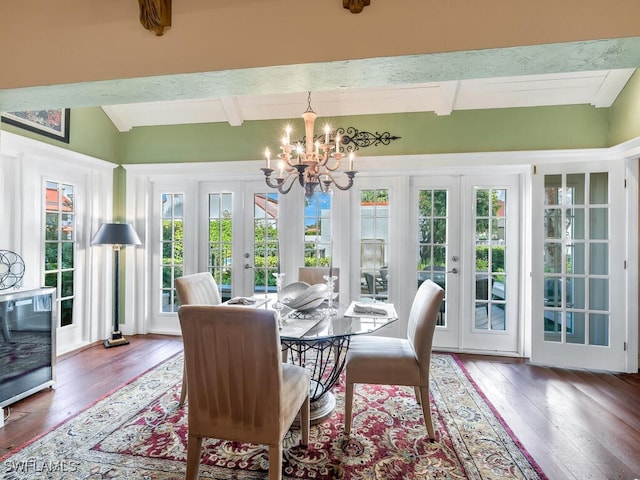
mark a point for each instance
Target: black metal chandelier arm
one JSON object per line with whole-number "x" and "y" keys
{"x": 280, "y": 182}
{"x": 327, "y": 183}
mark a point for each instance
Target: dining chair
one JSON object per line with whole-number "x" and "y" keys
{"x": 314, "y": 275}
{"x": 398, "y": 361}
{"x": 196, "y": 289}
{"x": 239, "y": 389}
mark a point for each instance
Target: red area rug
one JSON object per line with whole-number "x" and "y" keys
{"x": 139, "y": 432}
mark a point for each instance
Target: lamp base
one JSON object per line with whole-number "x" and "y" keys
{"x": 116, "y": 340}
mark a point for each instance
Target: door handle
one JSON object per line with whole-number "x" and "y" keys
{"x": 453, "y": 270}
{"x": 247, "y": 266}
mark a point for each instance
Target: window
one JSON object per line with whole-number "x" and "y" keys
{"x": 220, "y": 240}
{"x": 576, "y": 258}
{"x": 266, "y": 247}
{"x": 490, "y": 264}
{"x": 172, "y": 248}
{"x": 374, "y": 243}
{"x": 432, "y": 240}
{"x": 317, "y": 230}
{"x": 59, "y": 256}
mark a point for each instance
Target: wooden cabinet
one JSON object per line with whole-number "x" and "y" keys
{"x": 27, "y": 342}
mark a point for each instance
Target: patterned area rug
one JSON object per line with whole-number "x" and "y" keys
{"x": 139, "y": 432}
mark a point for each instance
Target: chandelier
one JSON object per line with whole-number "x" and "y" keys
{"x": 312, "y": 163}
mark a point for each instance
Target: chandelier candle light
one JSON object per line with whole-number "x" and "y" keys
{"x": 312, "y": 164}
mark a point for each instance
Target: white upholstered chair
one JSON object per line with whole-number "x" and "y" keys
{"x": 239, "y": 389}
{"x": 196, "y": 289}
{"x": 398, "y": 361}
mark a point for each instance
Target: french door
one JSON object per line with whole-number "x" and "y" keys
{"x": 579, "y": 314}
{"x": 238, "y": 239}
{"x": 467, "y": 231}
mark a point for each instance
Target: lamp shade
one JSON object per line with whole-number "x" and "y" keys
{"x": 116, "y": 234}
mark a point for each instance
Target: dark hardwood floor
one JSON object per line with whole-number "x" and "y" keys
{"x": 576, "y": 424}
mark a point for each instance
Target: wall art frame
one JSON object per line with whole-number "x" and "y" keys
{"x": 52, "y": 123}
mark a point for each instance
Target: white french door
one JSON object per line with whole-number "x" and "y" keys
{"x": 467, "y": 230}
{"x": 435, "y": 203}
{"x": 238, "y": 236}
{"x": 579, "y": 313}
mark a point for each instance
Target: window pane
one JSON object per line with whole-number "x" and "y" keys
{"x": 599, "y": 188}
{"x": 66, "y": 312}
{"x": 59, "y": 247}
{"x": 575, "y": 258}
{"x": 374, "y": 236}
{"x": 317, "y": 230}
{"x": 575, "y": 224}
{"x": 599, "y": 223}
{"x": 598, "y": 294}
{"x": 552, "y": 189}
{"x": 599, "y": 258}
{"x": 50, "y": 256}
{"x": 553, "y": 223}
{"x": 576, "y": 328}
{"x": 575, "y": 189}
{"x": 67, "y": 284}
{"x": 553, "y": 258}
{"x": 172, "y": 248}
{"x": 576, "y": 292}
{"x": 599, "y": 329}
{"x": 51, "y": 231}
{"x": 266, "y": 251}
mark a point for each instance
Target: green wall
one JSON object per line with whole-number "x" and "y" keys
{"x": 575, "y": 126}
{"x": 625, "y": 113}
{"x": 90, "y": 132}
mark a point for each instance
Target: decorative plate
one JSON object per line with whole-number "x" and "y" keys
{"x": 11, "y": 269}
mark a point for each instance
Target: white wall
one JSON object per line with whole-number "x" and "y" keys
{"x": 26, "y": 164}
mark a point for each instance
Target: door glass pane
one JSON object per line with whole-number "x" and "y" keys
{"x": 576, "y": 260}
{"x": 576, "y": 328}
{"x": 317, "y": 230}
{"x": 575, "y": 223}
{"x": 374, "y": 244}
{"x": 598, "y": 258}
{"x": 266, "y": 247}
{"x": 552, "y": 325}
{"x": 599, "y": 329}
{"x": 59, "y": 247}
{"x": 552, "y": 189}
{"x": 490, "y": 266}
{"x": 575, "y": 188}
{"x": 598, "y": 223}
{"x": 553, "y": 258}
{"x": 172, "y": 246}
{"x": 553, "y": 223}
{"x": 576, "y": 292}
{"x": 220, "y": 241}
{"x": 599, "y": 188}
{"x": 432, "y": 241}
{"x": 598, "y": 294}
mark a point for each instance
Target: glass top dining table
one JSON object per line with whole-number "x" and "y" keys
{"x": 319, "y": 340}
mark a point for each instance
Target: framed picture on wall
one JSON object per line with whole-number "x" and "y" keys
{"x": 50, "y": 123}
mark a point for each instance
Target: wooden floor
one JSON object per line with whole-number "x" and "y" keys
{"x": 575, "y": 424}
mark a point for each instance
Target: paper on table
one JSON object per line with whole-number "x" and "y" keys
{"x": 356, "y": 309}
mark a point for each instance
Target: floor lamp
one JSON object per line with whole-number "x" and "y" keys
{"x": 116, "y": 234}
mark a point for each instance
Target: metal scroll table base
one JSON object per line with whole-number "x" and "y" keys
{"x": 325, "y": 358}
